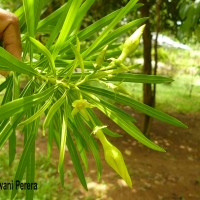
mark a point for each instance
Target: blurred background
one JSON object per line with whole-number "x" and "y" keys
{"x": 170, "y": 47}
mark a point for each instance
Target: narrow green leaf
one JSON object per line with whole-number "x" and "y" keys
{"x": 81, "y": 143}
{"x": 8, "y": 94}
{"x": 51, "y": 19}
{"x": 77, "y": 54}
{"x": 75, "y": 160}
{"x": 82, "y": 152}
{"x": 112, "y": 107}
{"x": 24, "y": 103}
{"x": 32, "y": 11}
{"x": 5, "y": 84}
{"x": 38, "y": 113}
{"x": 38, "y": 7}
{"x": 114, "y": 22}
{"x": 140, "y": 78}
{"x": 27, "y": 90}
{"x": 12, "y": 147}
{"x": 59, "y": 24}
{"x": 63, "y": 143}
{"x": 55, "y": 130}
{"x": 111, "y": 133}
{"x": 91, "y": 143}
{"x": 128, "y": 127}
{"x": 11, "y": 135}
{"x": 50, "y": 139}
{"x": 25, "y": 156}
{"x": 81, "y": 13}
{"x": 13, "y": 64}
{"x": 21, "y": 17}
{"x": 92, "y": 29}
{"x": 110, "y": 38}
{"x": 29, "y": 10}
{"x": 12, "y": 138}
{"x": 6, "y": 127}
{"x": 97, "y": 26}
{"x": 30, "y": 173}
{"x": 46, "y": 52}
{"x": 6, "y": 131}
{"x": 53, "y": 110}
{"x": 136, "y": 105}
{"x": 71, "y": 15}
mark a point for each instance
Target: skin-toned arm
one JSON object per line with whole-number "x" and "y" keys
{"x": 10, "y": 35}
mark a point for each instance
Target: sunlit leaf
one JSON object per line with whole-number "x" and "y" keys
{"x": 46, "y": 52}
{"x": 24, "y": 103}
{"x": 127, "y": 126}
{"x": 69, "y": 20}
{"x": 53, "y": 110}
{"x": 114, "y": 22}
{"x": 13, "y": 64}
{"x": 38, "y": 113}
{"x": 136, "y": 105}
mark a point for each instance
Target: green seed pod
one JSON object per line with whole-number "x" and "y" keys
{"x": 114, "y": 158}
{"x": 131, "y": 43}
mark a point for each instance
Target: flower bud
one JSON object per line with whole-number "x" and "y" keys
{"x": 131, "y": 43}
{"x": 114, "y": 158}
{"x": 80, "y": 106}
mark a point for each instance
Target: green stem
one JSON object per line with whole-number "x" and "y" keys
{"x": 101, "y": 137}
{"x": 54, "y": 81}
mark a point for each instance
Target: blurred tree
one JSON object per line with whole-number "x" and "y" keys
{"x": 163, "y": 15}
{"x": 189, "y": 12}
{"x": 11, "y": 5}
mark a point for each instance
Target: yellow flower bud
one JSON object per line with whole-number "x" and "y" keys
{"x": 114, "y": 158}
{"x": 131, "y": 43}
{"x": 80, "y": 106}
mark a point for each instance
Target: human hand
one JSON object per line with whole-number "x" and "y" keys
{"x": 10, "y": 35}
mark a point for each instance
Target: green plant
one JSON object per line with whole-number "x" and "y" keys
{"x": 61, "y": 76}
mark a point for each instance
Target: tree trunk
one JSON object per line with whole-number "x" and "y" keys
{"x": 158, "y": 8}
{"x": 147, "y": 68}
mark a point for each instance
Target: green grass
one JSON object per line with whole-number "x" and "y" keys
{"x": 174, "y": 97}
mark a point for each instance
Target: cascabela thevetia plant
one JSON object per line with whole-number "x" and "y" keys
{"x": 66, "y": 80}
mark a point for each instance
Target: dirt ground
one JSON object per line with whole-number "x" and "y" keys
{"x": 174, "y": 175}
